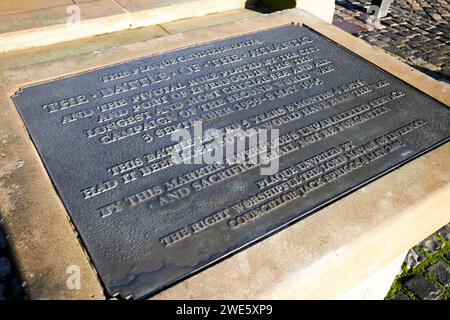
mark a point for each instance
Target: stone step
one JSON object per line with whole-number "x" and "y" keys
{"x": 27, "y": 24}
{"x": 13, "y": 59}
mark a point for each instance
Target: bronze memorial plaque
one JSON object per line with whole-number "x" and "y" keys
{"x": 134, "y": 149}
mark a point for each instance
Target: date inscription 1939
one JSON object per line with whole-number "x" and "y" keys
{"x": 105, "y": 139}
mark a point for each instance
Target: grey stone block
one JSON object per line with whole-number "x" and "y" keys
{"x": 441, "y": 271}
{"x": 423, "y": 288}
{"x": 413, "y": 258}
{"x": 430, "y": 244}
{"x": 400, "y": 296}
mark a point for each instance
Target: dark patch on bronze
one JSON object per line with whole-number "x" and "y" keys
{"x": 343, "y": 122}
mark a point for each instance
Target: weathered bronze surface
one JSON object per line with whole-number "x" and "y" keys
{"x": 146, "y": 222}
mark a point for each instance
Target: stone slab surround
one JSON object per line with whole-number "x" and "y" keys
{"x": 325, "y": 256}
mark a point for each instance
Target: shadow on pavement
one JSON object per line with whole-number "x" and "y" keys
{"x": 10, "y": 284}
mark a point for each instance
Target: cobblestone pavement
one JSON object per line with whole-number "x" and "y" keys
{"x": 415, "y": 31}
{"x": 425, "y": 271}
